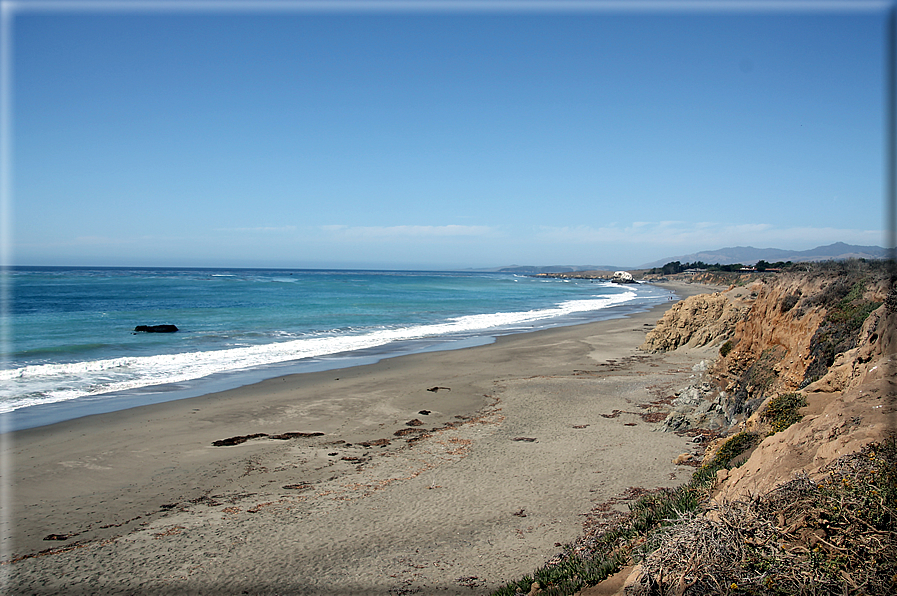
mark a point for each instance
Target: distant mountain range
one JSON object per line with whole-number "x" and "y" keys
{"x": 748, "y": 255}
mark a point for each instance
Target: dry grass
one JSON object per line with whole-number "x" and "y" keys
{"x": 838, "y": 536}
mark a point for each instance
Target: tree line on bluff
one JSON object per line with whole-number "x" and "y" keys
{"x": 677, "y": 267}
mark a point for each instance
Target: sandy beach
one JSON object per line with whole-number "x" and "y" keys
{"x": 438, "y": 473}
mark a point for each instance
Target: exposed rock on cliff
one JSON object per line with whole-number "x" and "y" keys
{"x": 801, "y": 494}
{"x": 698, "y": 321}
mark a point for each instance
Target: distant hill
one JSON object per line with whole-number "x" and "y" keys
{"x": 748, "y": 255}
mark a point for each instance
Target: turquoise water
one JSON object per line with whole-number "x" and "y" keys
{"x": 72, "y": 335}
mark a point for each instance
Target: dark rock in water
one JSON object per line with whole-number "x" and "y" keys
{"x": 156, "y": 328}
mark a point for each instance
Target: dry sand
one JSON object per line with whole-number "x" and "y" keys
{"x": 520, "y": 440}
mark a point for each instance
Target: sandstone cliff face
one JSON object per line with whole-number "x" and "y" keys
{"x": 697, "y": 321}
{"x": 781, "y": 333}
{"x": 854, "y": 404}
{"x": 829, "y": 335}
{"x": 796, "y": 323}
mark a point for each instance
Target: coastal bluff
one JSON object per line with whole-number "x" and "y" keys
{"x": 698, "y": 321}
{"x": 802, "y": 400}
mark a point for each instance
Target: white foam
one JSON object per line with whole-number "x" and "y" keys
{"x": 51, "y": 383}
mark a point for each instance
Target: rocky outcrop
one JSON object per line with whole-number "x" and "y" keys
{"x": 156, "y": 328}
{"x": 797, "y": 326}
{"x": 825, "y": 337}
{"x": 812, "y": 330}
{"x": 828, "y": 334}
{"x": 698, "y": 321}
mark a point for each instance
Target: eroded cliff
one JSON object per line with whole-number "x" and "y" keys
{"x": 699, "y": 320}
{"x": 802, "y": 491}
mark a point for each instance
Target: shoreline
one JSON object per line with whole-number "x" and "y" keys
{"x": 520, "y": 437}
{"x": 50, "y": 413}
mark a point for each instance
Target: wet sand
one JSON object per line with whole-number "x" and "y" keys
{"x": 439, "y": 473}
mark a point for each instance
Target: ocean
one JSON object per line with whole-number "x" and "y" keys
{"x": 73, "y": 349}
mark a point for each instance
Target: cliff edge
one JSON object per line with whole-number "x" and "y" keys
{"x": 801, "y": 480}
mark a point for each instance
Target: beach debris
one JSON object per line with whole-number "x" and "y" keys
{"x": 353, "y": 458}
{"x": 435, "y": 389}
{"x": 682, "y": 459}
{"x": 156, "y": 328}
{"x": 424, "y": 435}
{"x": 580, "y": 426}
{"x": 407, "y": 431}
{"x": 424, "y": 412}
{"x": 471, "y": 581}
{"x": 237, "y": 440}
{"x": 376, "y": 443}
{"x": 525, "y": 439}
{"x": 414, "y": 422}
{"x": 654, "y": 417}
{"x": 520, "y": 513}
{"x": 334, "y": 453}
{"x": 172, "y": 531}
{"x": 294, "y": 435}
{"x": 59, "y": 536}
{"x": 629, "y": 424}
{"x": 298, "y": 486}
{"x": 281, "y": 437}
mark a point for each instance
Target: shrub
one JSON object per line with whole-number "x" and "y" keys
{"x": 788, "y": 302}
{"x": 833, "y": 537}
{"x": 726, "y": 348}
{"x": 840, "y": 330}
{"x": 782, "y": 411}
{"x": 728, "y": 451}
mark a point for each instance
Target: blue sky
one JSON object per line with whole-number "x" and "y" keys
{"x": 476, "y": 136}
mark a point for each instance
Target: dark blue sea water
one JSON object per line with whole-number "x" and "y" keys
{"x": 73, "y": 341}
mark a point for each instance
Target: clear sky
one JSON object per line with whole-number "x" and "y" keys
{"x": 441, "y": 135}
